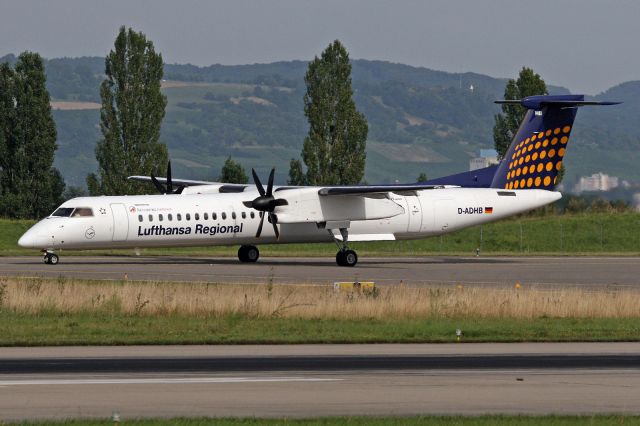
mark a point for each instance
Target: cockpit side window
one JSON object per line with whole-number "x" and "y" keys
{"x": 63, "y": 212}
{"x": 82, "y": 212}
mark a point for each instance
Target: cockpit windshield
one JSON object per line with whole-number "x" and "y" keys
{"x": 63, "y": 212}
{"x": 72, "y": 212}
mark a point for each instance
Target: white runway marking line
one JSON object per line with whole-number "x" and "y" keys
{"x": 162, "y": 381}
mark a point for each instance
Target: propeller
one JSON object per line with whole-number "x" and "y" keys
{"x": 266, "y": 202}
{"x": 168, "y": 187}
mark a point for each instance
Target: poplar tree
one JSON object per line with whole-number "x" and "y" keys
{"x": 30, "y": 186}
{"x": 130, "y": 117}
{"x": 232, "y": 172}
{"x": 334, "y": 150}
{"x": 506, "y": 124}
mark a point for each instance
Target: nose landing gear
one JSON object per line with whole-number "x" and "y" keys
{"x": 248, "y": 254}
{"x": 51, "y": 258}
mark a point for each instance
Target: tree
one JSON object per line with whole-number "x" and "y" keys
{"x": 296, "y": 175}
{"x": 232, "y": 172}
{"x": 130, "y": 117}
{"x": 334, "y": 150}
{"x": 30, "y": 186}
{"x": 507, "y": 123}
{"x": 422, "y": 178}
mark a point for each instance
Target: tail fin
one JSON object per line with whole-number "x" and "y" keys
{"x": 535, "y": 156}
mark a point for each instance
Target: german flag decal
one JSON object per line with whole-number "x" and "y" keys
{"x": 488, "y": 210}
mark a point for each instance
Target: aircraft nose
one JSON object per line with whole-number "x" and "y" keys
{"x": 27, "y": 240}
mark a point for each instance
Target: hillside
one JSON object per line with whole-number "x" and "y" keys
{"x": 420, "y": 120}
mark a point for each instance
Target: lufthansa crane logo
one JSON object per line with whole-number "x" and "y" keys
{"x": 90, "y": 233}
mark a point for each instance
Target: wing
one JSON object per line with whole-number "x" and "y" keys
{"x": 185, "y": 183}
{"x": 373, "y": 189}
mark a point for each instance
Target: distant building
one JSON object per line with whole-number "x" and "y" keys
{"x": 636, "y": 201}
{"x": 487, "y": 158}
{"x": 596, "y": 182}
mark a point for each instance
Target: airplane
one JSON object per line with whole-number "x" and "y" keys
{"x": 200, "y": 213}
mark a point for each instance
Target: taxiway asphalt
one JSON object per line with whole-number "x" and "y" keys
{"x": 490, "y": 271}
{"x": 318, "y": 380}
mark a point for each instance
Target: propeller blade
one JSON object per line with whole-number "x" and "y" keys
{"x": 248, "y": 204}
{"x": 169, "y": 182}
{"x": 272, "y": 219}
{"x": 270, "y": 183}
{"x": 260, "y": 225}
{"x": 157, "y": 183}
{"x": 256, "y": 179}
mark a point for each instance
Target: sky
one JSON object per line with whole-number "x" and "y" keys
{"x": 584, "y": 45}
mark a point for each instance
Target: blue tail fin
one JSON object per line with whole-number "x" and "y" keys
{"x": 535, "y": 156}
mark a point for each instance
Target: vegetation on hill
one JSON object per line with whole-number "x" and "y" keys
{"x": 420, "y": 120}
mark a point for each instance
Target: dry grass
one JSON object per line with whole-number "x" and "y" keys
{"x": 34, "y": 296}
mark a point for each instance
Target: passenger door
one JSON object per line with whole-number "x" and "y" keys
{"x": 120, "y": 222}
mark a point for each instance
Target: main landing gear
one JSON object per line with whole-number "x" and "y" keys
{"x": 248, "y": 254}
{"x": 345, "y": 256}
{"x": 51, "y": 258}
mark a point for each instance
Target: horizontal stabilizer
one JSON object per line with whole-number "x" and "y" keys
{"x": 560, "y": 101}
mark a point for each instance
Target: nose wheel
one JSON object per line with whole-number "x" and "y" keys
{"x": 248, "y": 254}
{"x": 51, "y": 259}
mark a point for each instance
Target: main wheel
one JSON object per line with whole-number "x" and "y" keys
{"x": 248, "y": 254}
{"x": 346, "y": 258}
{"x": 51, "y": 259}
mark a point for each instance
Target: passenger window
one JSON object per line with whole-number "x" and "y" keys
{"x": 252, "y": 215}
{"x": 206, "y": 216}
{"x": 179, "y": 216}
{"x": 214, "y": 216}
{"x": 224, "y": 215}
{"x": 150, "y": 218}
{"x": 160, "y": 217}
{"x": 169, "y": 217}
{"x": 197, "y": 215}
{"x": 244, "y": 215}
{"x": 82, "y": 212}
{"x": 139, "y": 218}
{"x": 188, "y": 216}
{"x": 233, "y": 215}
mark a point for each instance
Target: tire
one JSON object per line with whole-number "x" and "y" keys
{"x": 242, "y": 253}
{"x": 51, "y": 259}
{"x": 350, "y": 258}
{"x": 252, "y": 254}
{"x": 248, "y": 254}
{"x": 340, "y": 258}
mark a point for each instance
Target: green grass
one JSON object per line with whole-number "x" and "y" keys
{"x": 56, "y": 328}
{"x": 374, "y": 421}
{"x": 580, "y": 234}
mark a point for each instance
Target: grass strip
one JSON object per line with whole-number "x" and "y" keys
{"x": 39, "y": 311}
{"x": 49, "y": 329}
{"x": 362, "y": 420}
{"x": 578, "y": 234}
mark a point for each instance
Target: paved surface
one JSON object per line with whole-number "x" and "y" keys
{"x": 546, "y": 271}
{"x": 192, "y": 380}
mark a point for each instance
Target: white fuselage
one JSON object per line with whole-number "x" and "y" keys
{"x": 223, "y": 219}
